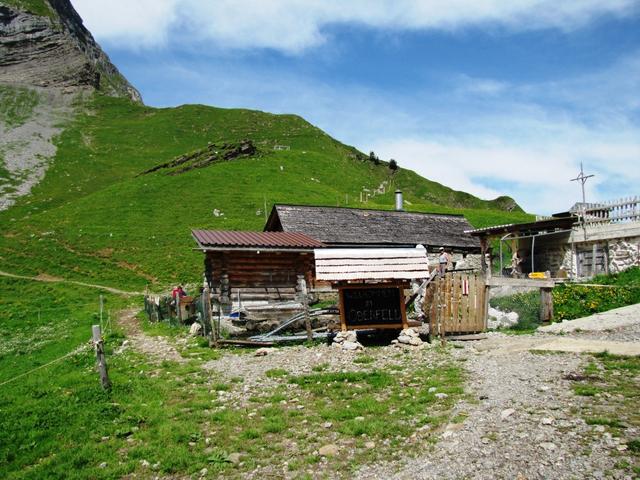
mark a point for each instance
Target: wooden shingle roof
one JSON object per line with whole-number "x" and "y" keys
{"x": 342, "y": 226}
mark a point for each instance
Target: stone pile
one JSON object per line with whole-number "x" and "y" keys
{"x": 408, "y": 336}
{"x": 499, "y": 319}
{"x": 347, "y": 341}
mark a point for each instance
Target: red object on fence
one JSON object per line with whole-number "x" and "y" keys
{"x": 465, "y": 286}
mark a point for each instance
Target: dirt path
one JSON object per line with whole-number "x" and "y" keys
{"x": 156, "y": 348}
{"x": 51, "y": 279}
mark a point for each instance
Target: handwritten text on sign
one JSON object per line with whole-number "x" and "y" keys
{"x": 372, "y": 306}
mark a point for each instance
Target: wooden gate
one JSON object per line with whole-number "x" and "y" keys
{"x": 457, "y": 303}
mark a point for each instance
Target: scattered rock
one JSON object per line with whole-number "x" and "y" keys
{"x": 352, "y": 346}
{"x": 507, "y": 413}
{"x": 103, "y": 465}
{"x": 144, "y": 464}
{"x": 347, "y": 341}
{"x": 327, "y": 424}
{"x": 370, "y": 445}
{"x": 498, "y": 319}
{"x": 548, "y": 446}
{"x": 234, "y": 458}
{"x": 409, "y": 336}
{"x": 195, "y": 329}
{"x": 547, "y": 421}
{"x": 441, "y": 396}
{"x": 261, "y": 352}
{"x": 329, "y": 450}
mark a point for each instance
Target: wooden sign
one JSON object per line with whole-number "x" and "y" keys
{"x": 372, "y": 306}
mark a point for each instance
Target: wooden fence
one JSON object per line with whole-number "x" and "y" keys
{"x": 457, "y": 303}
{"x": 616, "y": 211}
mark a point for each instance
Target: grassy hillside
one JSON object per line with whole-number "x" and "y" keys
{"x": 94, "y": 217}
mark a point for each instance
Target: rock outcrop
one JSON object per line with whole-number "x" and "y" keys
{"x": 55, "y": 50}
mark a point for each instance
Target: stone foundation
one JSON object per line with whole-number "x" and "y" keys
{"x": 624, "y": 253}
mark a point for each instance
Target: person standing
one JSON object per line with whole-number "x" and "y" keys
{"x": 443, "y": 261}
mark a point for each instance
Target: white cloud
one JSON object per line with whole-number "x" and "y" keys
{"x": 535, "y": 173}
{"x": 295, "y": 25}
{"x": 135, "y": 24}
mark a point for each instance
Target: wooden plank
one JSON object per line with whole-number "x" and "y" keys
{"x": 340, "y": 253}
{"x": 374, "y": 276}
{"x": 403, "y": 309}
{"x": 464, "y": 303}
{"x": 246, "y": 343}
{"x": 520, "y": 282}
{"x": 343, "y": 317}
{"x": 381, "y": 266}
{"x": 455, "y": 303}
{"x": 468, "y": 337}
{"x": 473, "y": 301}
{"x": 381, "y": 326}
{"x": 479, "y": 320}
{"x": 371, "y": 261}
{"x": 546, "y": 305}
{"x": 448, "y": 288}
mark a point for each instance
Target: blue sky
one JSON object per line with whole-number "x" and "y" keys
{"x": 487, "y": 96}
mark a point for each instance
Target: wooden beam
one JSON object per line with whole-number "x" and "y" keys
{"x": 520, "y": 282}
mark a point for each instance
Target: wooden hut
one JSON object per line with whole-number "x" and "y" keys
{"x": 256, "y": 269}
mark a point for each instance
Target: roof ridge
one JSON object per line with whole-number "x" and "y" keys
{"x": 276, "y": 205}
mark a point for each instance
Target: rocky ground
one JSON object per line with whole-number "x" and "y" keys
{"x": 27, "y": 149}
{"x": 521, "y": 417}
{"x": 521, "y": 423}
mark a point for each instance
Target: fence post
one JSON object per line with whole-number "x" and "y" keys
{"x": 100, "y": 358}
{"x": 546, "y": 305}
{"x": 101, "y": 308}
{"x": 302, "y": 292}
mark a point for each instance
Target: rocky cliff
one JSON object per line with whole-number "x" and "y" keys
{"x": 44, "y": 43}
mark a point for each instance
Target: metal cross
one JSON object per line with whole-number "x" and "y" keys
{"x": 583, "y": 178}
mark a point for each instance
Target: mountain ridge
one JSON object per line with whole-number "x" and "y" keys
{"x": 54, "y": 50}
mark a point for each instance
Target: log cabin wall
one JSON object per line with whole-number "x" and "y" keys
{"x": 264, "y": 276}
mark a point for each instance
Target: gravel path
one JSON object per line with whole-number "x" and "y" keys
{"x": 521, "y": 421}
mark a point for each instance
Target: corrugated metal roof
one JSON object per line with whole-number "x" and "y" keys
{"x": 337, "y": 264}
{"x": 218, "y": 239}
{"x": 531, "y": 227}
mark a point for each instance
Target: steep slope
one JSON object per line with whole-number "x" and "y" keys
{"x": 44, "y": 43}
{"x": 97, "y": 215}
